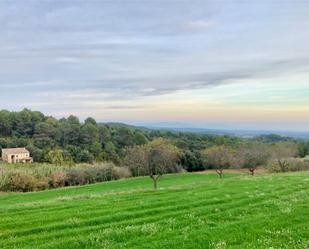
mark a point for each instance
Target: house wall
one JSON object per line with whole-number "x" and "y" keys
{"x": 7, "y": 157}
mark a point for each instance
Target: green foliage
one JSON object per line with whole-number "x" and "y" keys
{"x": 89, "y": 133}
{"x": 55, "y": 157}
{"x": 84, "y": 156}
{"x": 139, "y": 138}
{"x": 162, "y": 157}
{"x": 303, "y": 148}
{"x": 192, "y": 161}
{"x": 89, "y": 141}
{"x": 272, "y": 138}
{"x": 154, "y": 159}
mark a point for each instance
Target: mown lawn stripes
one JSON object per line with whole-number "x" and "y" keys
{"x": 194, "y": 214}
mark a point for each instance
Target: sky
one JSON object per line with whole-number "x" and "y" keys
{"x": 210, "y": 64}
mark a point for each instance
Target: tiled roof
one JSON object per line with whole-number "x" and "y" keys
{"x": 14, "y": 150}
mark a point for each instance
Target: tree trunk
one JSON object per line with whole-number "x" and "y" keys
{"x": 154, "y": 179}
{"x": 252, "y": 170}
{"x": 283, "y": 165}
{"x": 155, "y": 183}
{"x": 220, "y": 172}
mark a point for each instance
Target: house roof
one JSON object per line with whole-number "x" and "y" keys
{"x": 15, "y": 150}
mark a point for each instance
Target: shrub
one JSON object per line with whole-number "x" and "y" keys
{"x": 42, "y": 184}
{"x": 74, "y": 177}
{"x": 290, "y": 164}
{"x": 57, "y": 179}
{"x": 120, "y": 172}
{"x": 17, "y": 177}
{"x": 103, "y": 173}
{"x": 22, "y": 182}
{"x": 4, "y": 180}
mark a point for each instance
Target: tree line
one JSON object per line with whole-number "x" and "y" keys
{"x": 144, "y": 151}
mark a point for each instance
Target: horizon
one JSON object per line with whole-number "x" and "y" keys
{"x": 204, "y": 64}
{"x": 179, "y": 126}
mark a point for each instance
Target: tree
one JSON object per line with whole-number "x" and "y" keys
{"x": 36, "y": 153}
{"x": 111, "y": 152}
{"x": 90, "y": 120}
{"x": 282, "y": 152}
{"x": 155, "y": 158}
{"x": 45, "y": 135}
{"x": 70, "y": 131}
{"x": 89, "y": 133}
{"x": 139, "y": 138}
{"x": 218, "y": 157}
{"x": 162, "y": 157}
{"x": 136, "y": 160}
{"x": 253, "y": 155}
{"x": 5, "y": 123}
{"x": 104, "y": 134}
{"x": 303, "y": 149}
{"x": 55, "y": 157}
{"x": 192, "y": 161}
{"x": 95, "y": 148}
{"x": 84, "y": 156}
{"x": 124, "y": 137}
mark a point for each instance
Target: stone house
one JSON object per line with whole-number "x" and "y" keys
{"x": 16, "y": 155}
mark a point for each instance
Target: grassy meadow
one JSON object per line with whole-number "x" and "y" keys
{"x": 187, "y": 211}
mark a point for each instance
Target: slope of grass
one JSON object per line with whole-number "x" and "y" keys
{"x": 188, "y": 211}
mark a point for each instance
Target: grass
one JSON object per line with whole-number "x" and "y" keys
{"x": 188, "y": 211}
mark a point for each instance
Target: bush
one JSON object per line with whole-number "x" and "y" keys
{"x": 57, "y": 180}
{"x": 42, "y": 184}
{"x": 121, "y": 172}
{"x": 103, "y": 172}
{"x": 4, "y": 180}
{"x": 291, "y": 164}
{"x": 74, "y": 177}
{"x": 22, "y": 182}
{"x": 23, "y": 178}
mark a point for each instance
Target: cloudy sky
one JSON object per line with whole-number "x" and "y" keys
{"x": 215, "y": 64}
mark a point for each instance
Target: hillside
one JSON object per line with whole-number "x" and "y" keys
{"x": 188, "y": 211}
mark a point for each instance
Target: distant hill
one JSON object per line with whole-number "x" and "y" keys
{"x": 238, "y": 133}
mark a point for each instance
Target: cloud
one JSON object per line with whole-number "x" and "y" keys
{"x": 198, "y": 26}
{"x": 116, "y": 54}
{"x": 123, "y": 107}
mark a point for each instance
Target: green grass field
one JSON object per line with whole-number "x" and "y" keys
{"x": 187, "y": 211}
